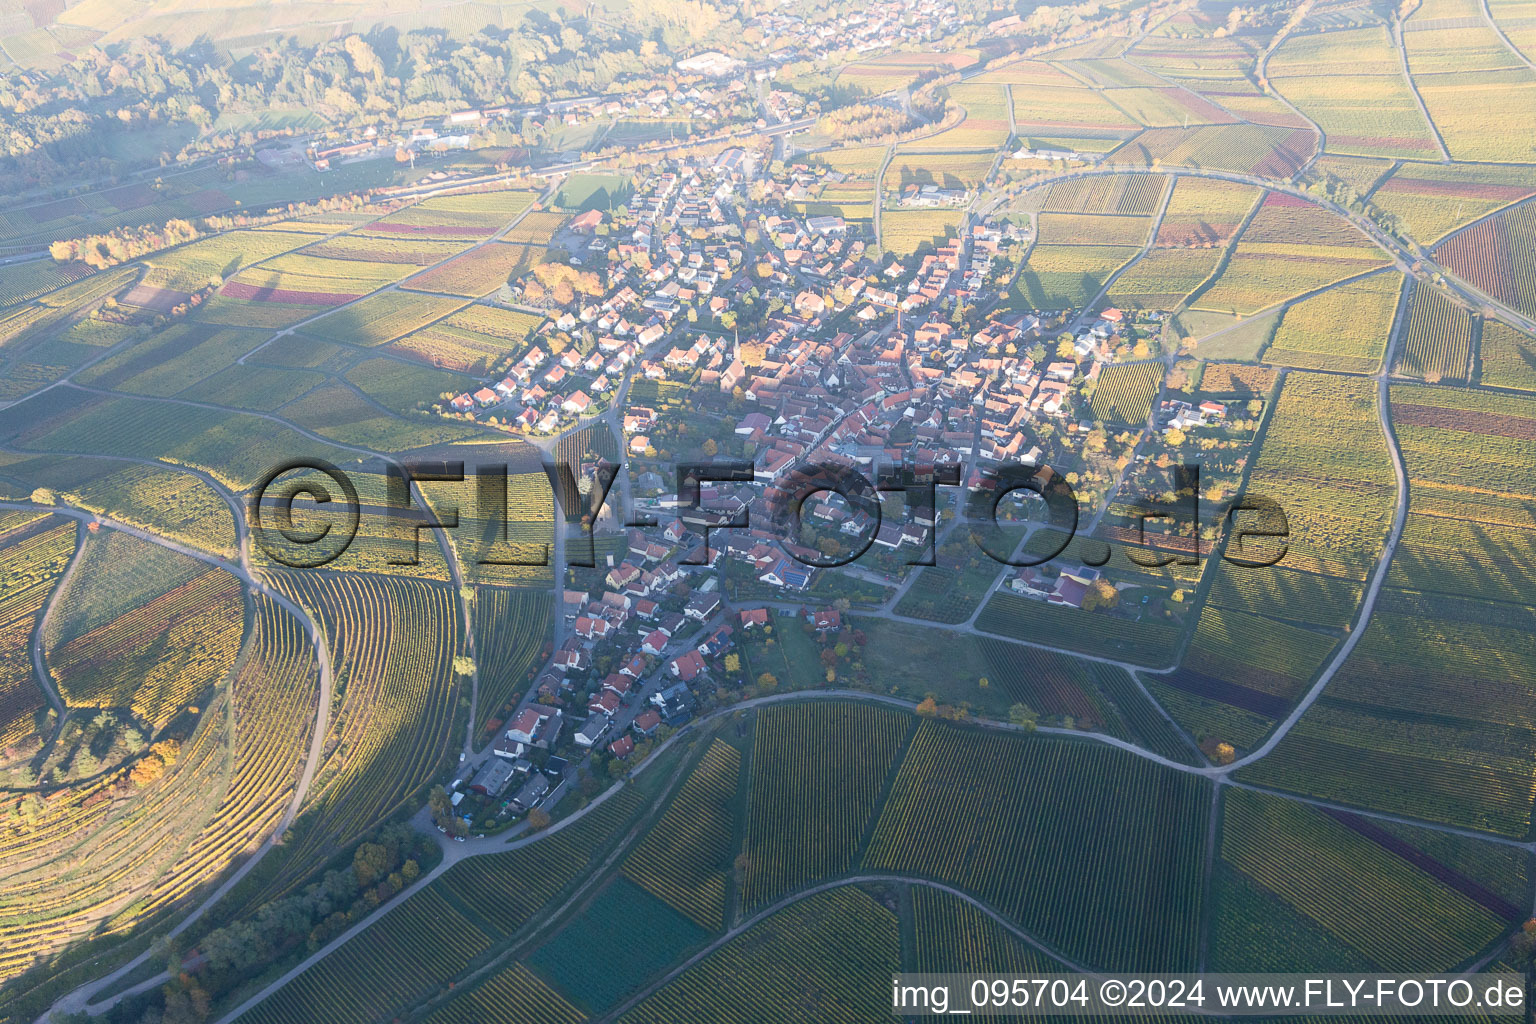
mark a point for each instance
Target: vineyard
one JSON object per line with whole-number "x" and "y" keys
{"x": 1345, "y": 328}
{"x": 382, "y": 317}
{"x": 685, "y": 858}
{"x": 1163, "y": 278}
{"x": 1433, "y": 199}
{"x": 390, "y": 650}
{"x": 950, "y": 934}
{"x": 905, "y": 231}
{"x": 1068, "y": 276}
{"x": 1246, "y": 148}
{"x": 1125, "y": 194}
{"x": 1124, "y": 392}
{"x": 828, "y": 957}
{"x": 479, "y": 271}
{"x": 1429, "y": 712}
{"x": 1351, "y": 84}
{"x": 1438, "y": 343}
{"x": 273, "y": 709}
{"x": 1496, "y": 255}
{"x": 233, "y": 448}
{"x": 513, "y": 995}
{"x": 93, "y": 850}
{"x": 187, "y": 268}
{"x": 1094, "y": 228}
{"x": 158, "y": 657}
{"x": 1326, "y": 890}
{"x": 824, "y": 765}
{"x": 172, "y": 360}
{"x": 1273, "y": 261}
{"x": 512, "y": 629}
{"x": 32, "y": 557}
{"x": 1205, "y": 212}
{"x": 1047, "y": 682}
{"x": 595, "y": 964}
{"x": 1053, "y": 109}
{"x": 1021, "y": 820}
{"x": 1507, "y": 356}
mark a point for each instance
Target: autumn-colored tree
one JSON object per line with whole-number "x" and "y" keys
{"x": 1101, "y": 594}
{"x": 538, "y": 819}
{"x": 928, "y": 708}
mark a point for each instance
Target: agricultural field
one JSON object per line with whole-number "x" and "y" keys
{"x": 1351, "y": 83}
{"x": 905, "y": 231}
{"x": 34, "y": 550}
{"x": 1163, "y": 278}
{"x": 1289, "y": 248}
{"x": 382, "y": 317}
{"x": 1432, "y": 199}
{"x": 1300, "y": 888}
{"x": 479, "y": 271}
{"x": 1507, "y": 357}
{"x": 1124, "y": 392}
{"x": 1068, "y": 276}
{"x": 1344, "y": 328}
{"x": 1038, "y": 831}
{"x": 1141, "y": 642}
{"x": 1437, "y": 344}
{"x": 856, "y": 746}
{"x": 588, "y": 191}
{"x": 826, "y": 955}
{"x": 1495, "y": 255}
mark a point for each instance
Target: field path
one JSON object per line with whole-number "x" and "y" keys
{"x": 1493, "y": 24}
{"x": 1383, "y": 564}
{"x": 1413, "y": 87}
{"x": 40, "y": 631}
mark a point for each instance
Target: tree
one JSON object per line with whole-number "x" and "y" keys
{"x": 1024, "y": 716}
{"x": 767, "y": 681}
{"x": 733, "y": 663}
{"x": 538, "y": 819}
{"x": 1065, "y": 349}
{"x": 710, "y": 447}
{"x": 369, "y": 863}
{"x": 1101, "y": 594}
{"x": 928, "y": 708}
{"x": 1174, "y": 437}
{"x": 463, "y": 664}
{"x": 1224, "y": 753}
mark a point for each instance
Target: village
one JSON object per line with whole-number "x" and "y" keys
{"x": 710, "y": 318}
